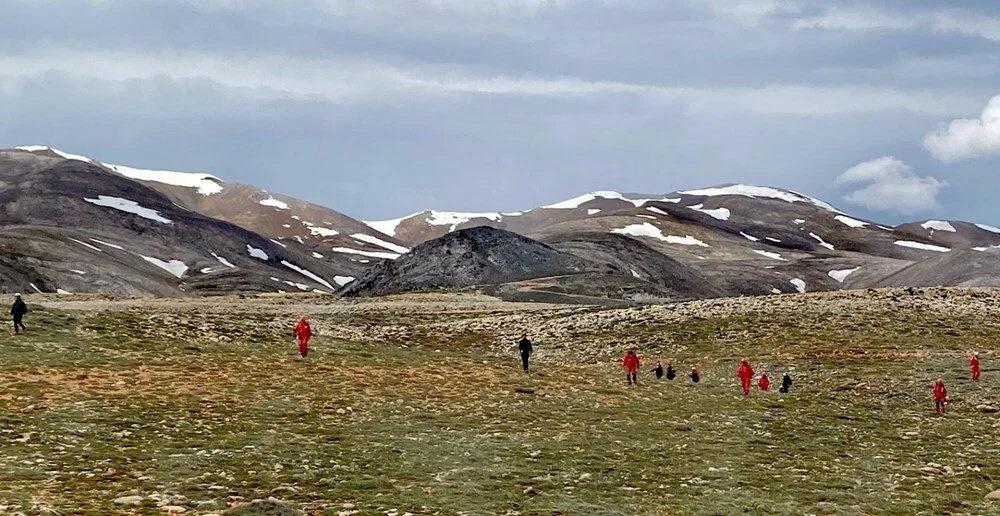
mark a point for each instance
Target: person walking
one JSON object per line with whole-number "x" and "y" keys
{"x": 524, "y": 346}
{"x": 658, "y": 370}
{"x": 631, "y": 364}
{"x": 745, "y": 374}
{"x": 17, "y": 312}
{"x": 671, "y": 374}
{"x": 974, "y": 366}
{"x": 940, "y": 396}
{"x": 695, "y": 374}
{"x": 786, "y": 383}
{"x": 764, "y": 384}
{"x": 303, "y": 331}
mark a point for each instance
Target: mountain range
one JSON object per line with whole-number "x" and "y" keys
{"x": 70, "y": 223}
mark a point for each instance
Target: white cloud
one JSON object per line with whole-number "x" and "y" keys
{"x": 966, "y": 138}
{"x": 888, "y": 184}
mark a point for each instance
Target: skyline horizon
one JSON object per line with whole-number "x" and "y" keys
{"x": 505, "y": 212}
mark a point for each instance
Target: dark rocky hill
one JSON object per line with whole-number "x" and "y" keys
{"x": 464, "y": 258}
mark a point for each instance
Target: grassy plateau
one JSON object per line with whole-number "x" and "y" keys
{"x": 417, "y": 405}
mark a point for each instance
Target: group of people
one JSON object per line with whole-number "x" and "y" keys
{"x": 631, "y": 363}
{"x": 940, "y": 392}
{"x": 745, "y": 373}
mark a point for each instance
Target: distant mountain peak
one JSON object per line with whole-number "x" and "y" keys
{"x": 205, "y": 184}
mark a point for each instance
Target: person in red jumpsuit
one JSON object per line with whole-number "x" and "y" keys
{"x": 631, "y": 364}
{"x": 764, "y": 384}
{"x": 745, "y": 374}
{"x": 303, "y": 331}
{"x": 940, "y": 396}
{"x": 974, "y": 366}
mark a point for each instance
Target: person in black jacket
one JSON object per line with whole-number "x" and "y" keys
{"x": 17, "y": 312}
{"x": 671, "y": 374}
{"x": 658, "y": 370}
{"x": 524, "y": 346}
{"x": 786, "y": 383}
{"x": 695, "y": 374}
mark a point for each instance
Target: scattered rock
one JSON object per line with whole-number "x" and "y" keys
{"x": 129, "y": 500}
{"x": 987, "y": 408}
{"x": 270, "y": 506}
{"x": 935, "y": 469}
{"x": 993, "y": 495}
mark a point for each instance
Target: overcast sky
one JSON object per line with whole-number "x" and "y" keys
{"x": 383, "y": 108}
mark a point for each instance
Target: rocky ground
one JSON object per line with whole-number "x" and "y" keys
{"x": 416, "y": 404}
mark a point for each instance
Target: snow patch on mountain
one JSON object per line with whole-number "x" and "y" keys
{"x": 381, "y": 243}
{"x": 585, "y": 198}
{"x": 987, "y": 227}
{"x": 749, "y": 237}
{"x": 650, "y": 231}
{"x": 938, "y": 225}
{"x": 224, "y": 261}
{"x": 759, "y": 192}
{"x": 603, "y": 194}
{"x": 307, "y": 274}
{"x": 769, "y": 254}
{"x": 388, "y": 227}
{"x": 175, "y": 267}
{"x": 821, "y": 241}
{"x": 108, "y": 244}
{"x": 129, "y": 207}
{"x": 86, "y": 245}
{"x": 848, "y": 221}
{"x": 922, "y": 246}
{"x": 799, "y": 284}
{"x": 718, "y": 213}
{"x": 372, "y": 254}
{"x": 841, "y": 274}
{"x": 65, "y": 155}
{"x": 343, "y": 280}
{"x": 271, "y": 201}
{"x": 320, "y": 230}
{"x": 256, "y": 253}
{"x": 593, "y": 211}
{"x": 206, "y": 184}
{"x": 455, "y": 218}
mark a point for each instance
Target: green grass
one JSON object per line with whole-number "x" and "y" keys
{"x": 97, "y": 405}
